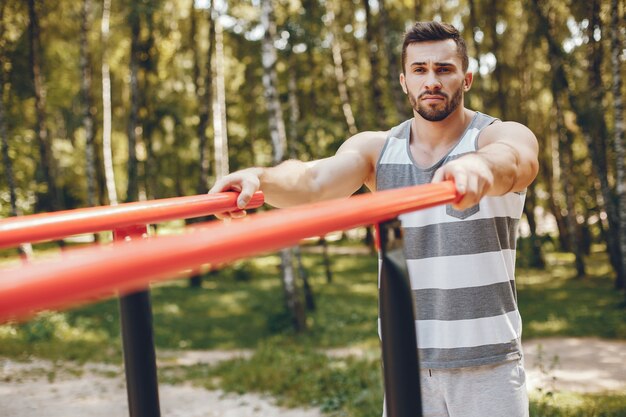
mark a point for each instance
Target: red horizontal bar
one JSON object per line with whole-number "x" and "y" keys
{"x": 50, "y": 226}
{"x": 86, "y": 273}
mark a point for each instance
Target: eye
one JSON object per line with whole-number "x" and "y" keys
{"x": 418, "y": 70}
{"x": 444, "y": 70}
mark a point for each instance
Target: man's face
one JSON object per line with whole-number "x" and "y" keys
{"x": 434, "y": 79}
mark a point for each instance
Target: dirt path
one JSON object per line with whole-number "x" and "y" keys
{"x": 39, "y": 388}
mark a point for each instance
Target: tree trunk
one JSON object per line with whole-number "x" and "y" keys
{"x": 294, "y": 110}
{"x": 417, "y": 10}
{"x": 132, "y": 190}
{"x": 290, "y": 287}
{"x": 326, "y": 260}
{"x": 53, "y": 202}
{"x": 88, "y": 123}
{"x": 372, "y": 48}
{"x": 219, "y": 105}
{"x": 590, "y": 116}
{"x": 147, "y": 114}
{"x": 203, "y": 86}
{"x": 565, "y": 151}
{"x": 473, "y": 21}
{"x": 499, "y": 95}
{"x": 279, "y": 141}
{"x": 106, "y": 106}
{"x": 536, "y": 255}
{"x": 394, "y": 67}
{"x": 26, "y": 249}
{"x": 618, "y": 132}
{"x": 338, "y": 67}
{"x": 294, "y": 116}
{"x": 309, "y": 299}
{"x": 270, "y": 83}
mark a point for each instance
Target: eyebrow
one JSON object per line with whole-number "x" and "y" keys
{"x": 438, "y": 64}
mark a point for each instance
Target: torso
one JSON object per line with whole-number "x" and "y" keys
{"x": 461, "y": 264}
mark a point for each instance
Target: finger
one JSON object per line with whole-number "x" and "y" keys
{"x": 222, "y": 216}
{"x": 238, "y": 214}
{"x": 460, "y": 181}
{"x": 225, "y": 184}
{"x": 245, "y": 195}
{"x": 438, "y": 177}
{"x": 473, "y": 187}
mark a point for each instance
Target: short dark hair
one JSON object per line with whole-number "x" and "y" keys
{"x": 434, "y": 31}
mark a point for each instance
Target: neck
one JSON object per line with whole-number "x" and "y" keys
{"x": 443, "y": 133}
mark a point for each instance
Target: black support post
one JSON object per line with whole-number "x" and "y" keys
{"x": 139, "y": 356}
{"x": 397, "y": 315}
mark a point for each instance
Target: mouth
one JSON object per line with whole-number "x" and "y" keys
{"x": 427, "y": 95}
{"x": 432, "y": 98}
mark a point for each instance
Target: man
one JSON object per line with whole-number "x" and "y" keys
{"x": 460, "y": 258}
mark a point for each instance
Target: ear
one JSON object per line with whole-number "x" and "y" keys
{"x": 403, "y": 83}
{"x": 467, "y": 81}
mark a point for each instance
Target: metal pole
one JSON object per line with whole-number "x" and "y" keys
{"x": 138, "y": 342}
{"x": 397, "y": 314}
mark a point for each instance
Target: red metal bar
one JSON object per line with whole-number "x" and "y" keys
{"x": 50, "y": 226}
{"x": 92, "y": 272}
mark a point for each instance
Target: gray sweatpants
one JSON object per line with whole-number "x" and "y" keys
{"x": 482, "y": 391}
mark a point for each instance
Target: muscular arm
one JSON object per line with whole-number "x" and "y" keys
{"x": 294, "y": 182}
{"x": 506, "y": 161}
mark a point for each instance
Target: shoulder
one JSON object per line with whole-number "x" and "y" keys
{"x": 500, "y": 130}
{"x": 369, "y": 143}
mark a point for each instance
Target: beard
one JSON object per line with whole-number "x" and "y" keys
{"x": 433, "y": 114}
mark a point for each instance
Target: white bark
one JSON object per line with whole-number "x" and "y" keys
{"x": 270, "y": 82}
{"x": 219, "y": 105}
{"x": 106, "y": 106}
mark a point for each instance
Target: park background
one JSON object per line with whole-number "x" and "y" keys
{"x": 106, "y": 102}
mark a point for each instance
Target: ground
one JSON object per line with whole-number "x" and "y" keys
{"x": 64, "y": 389}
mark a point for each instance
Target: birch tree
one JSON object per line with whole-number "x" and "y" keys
{"x": 106, "y": 105}
{"x": 279, "y": 141}
{"x": 219, "y": 102}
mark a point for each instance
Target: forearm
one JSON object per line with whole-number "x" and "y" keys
{"x": 509, "y": 170}
{"x": 287, "y": 184}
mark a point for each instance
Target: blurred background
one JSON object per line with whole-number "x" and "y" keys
{"x": 103, "y": 102}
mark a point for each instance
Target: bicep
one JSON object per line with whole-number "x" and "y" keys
{"x": 523, "y": 146}
{"x": 345, "y": 172}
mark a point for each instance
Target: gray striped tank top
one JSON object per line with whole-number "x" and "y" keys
{"x": 461, "y": 263}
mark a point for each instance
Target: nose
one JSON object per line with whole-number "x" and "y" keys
{"x": 432, "y": 82}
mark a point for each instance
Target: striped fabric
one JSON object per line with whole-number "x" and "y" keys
{"x": 461, "y": 263}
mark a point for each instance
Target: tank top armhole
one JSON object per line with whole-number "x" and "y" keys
{"x": 380, "y": 157}
{"x": 475, "y": 140}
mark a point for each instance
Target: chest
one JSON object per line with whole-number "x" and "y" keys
{"x": 425, "y": 157}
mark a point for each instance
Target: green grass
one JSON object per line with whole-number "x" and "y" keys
{"x": 242, "y": 307}
{"x": 553, "y": 303}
